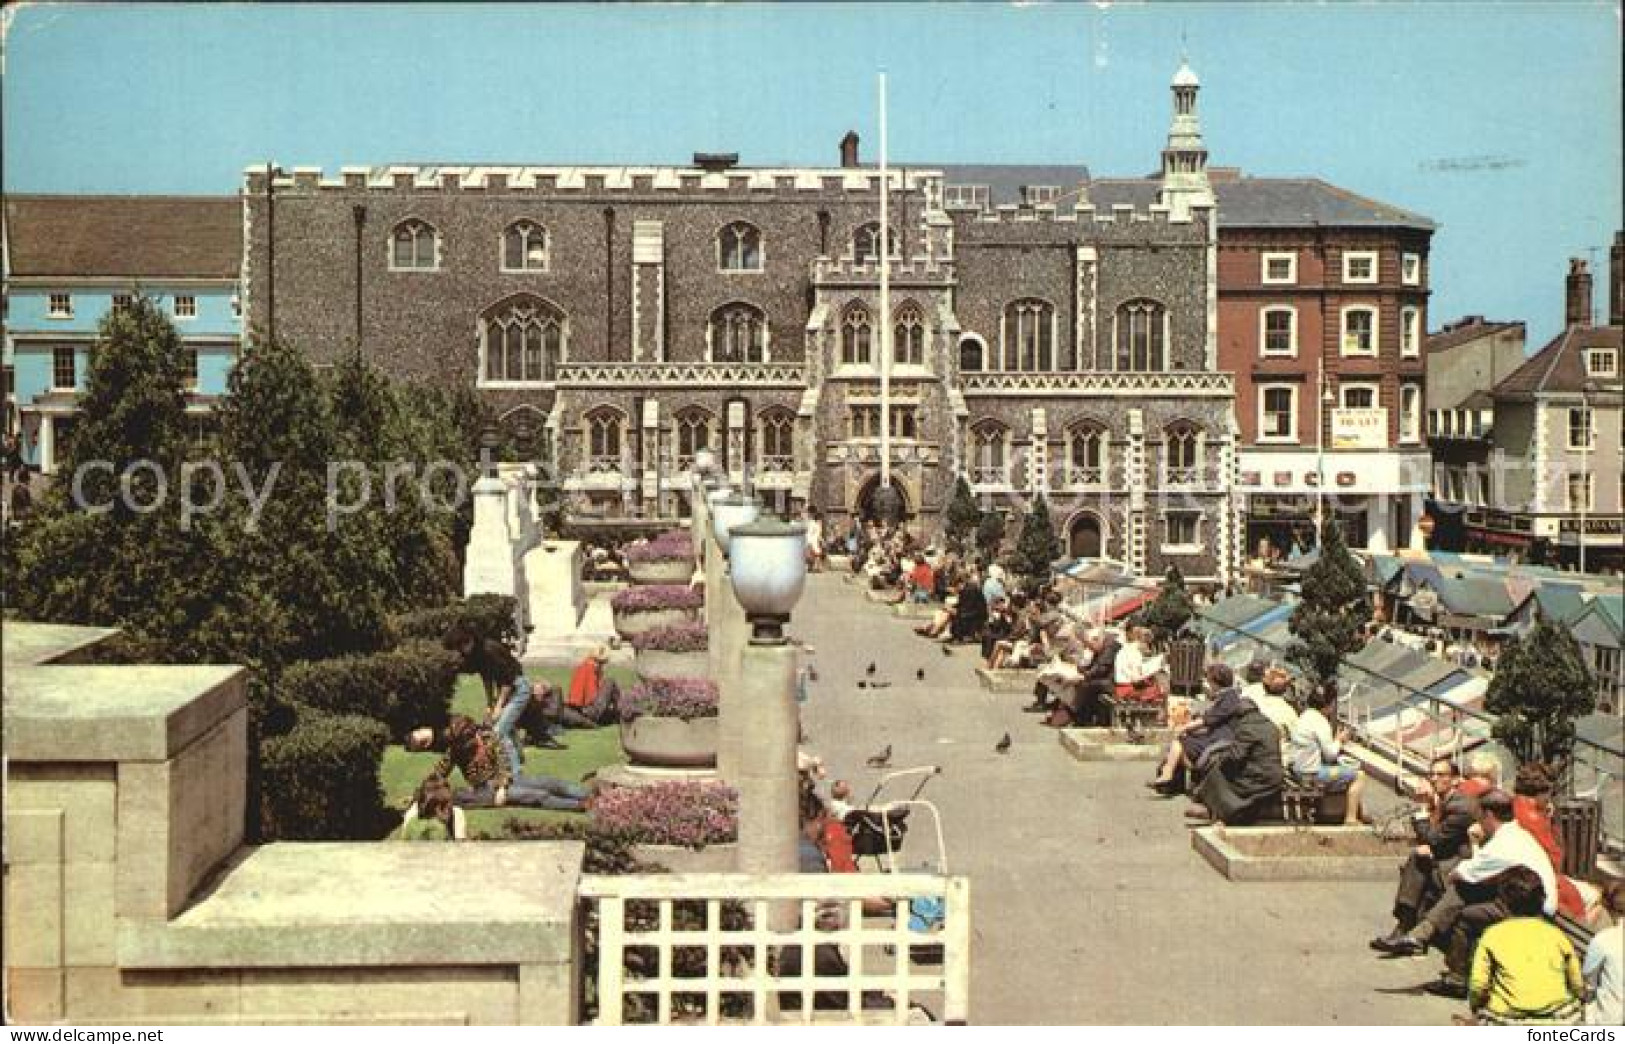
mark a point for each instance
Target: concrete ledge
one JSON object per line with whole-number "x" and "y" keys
{"x": 645, "y": 776}
{"x": 1114, "y": 744}
{"x": 116, "y": 713}
{"x": 335, "y": 905}
{"x": 36, "y": 644}
{"x": 1020, "y": 680}
{"x": 1215, "y": 844}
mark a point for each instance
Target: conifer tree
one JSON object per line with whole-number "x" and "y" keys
{"x": 1037, "y": 547}
{"x": 1171, "y": 610}
{"x": 1329, "y": 621}
{"x": 963, "y": 516}
{"x": 1541, "y": 685}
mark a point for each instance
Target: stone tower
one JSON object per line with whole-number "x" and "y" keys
{"x": 1184, "y": 160}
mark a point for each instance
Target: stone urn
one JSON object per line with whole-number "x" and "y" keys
{"x": 661, "y": 571}
{"x": 632, "y": 622}
{"x": 670, "y": 742}
{"x": 657, "y": 663}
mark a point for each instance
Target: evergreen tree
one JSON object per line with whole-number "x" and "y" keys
{"x": 963, "y": 516}
{"x": 990, "y": 534}
{"x": 1037, "y": 547}
{"x": 1171, "y": 610}
{"x": 1541, "y": 685}
{"x": 1329, "y": 621}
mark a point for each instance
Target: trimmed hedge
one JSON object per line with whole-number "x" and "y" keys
{"x": 320, "y": 781}
{"x": 487, "y": 615}
{"x": 403, "y": 688}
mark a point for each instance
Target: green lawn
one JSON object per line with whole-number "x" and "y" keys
{"x": 588, "y": 751}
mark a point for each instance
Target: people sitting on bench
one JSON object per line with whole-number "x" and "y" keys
{"x": 1205, "y": 731}
{"x": 1317, "y": 753}
{"x": 1524, "y": 971}
{"x": 1442, "y": 822}
{"x": 1088, "y": 707}
{"x": 1241, "y": 776}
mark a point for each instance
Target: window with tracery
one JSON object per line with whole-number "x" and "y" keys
{"x": 857, "y": 337}
{"x": 739, "y": 247}
{"x": 1029, "y": 329}
{"x": 523, "y": 341}
{"x": 414, "y": 245}
{"x": 1141, "y": 337}
{"x": 908, "y": 336}
{"x": 738, "y": 334}
{"x": 524, "y": 247}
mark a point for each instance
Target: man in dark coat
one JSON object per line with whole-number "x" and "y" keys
{"x": 1247, "y": 774}
{"x": 970, "y": 616}
{"x": 1441, "y": 843}
{"x": 1099, "y": 680}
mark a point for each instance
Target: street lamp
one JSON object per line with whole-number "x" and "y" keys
{"x": 729, "y": 512}
{"x": 768, "y": 562}
{"x": 705, "y": 461}
{"x": 490, "y": 439}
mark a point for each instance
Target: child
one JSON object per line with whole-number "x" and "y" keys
{"x": 432, "y": 816}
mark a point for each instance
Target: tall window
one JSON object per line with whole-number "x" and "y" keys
{"x": 856, "y": 337}
{"x": 1280, "y": 331}
{"x": 64, "y": 368}
{"x": 1410, "y": 269}
{"x": 1183, "y": 529}
{"x": 524, "y": 247}
{"x": 523, "y": 340}
{"x": 970, "y": 354}
{"x": 603, "y": 441}
{"x": 738, "y": 334}
{"x": 739, "y": 247}
{"x": 1580, "y": 492}
{"x": 863, "y": 422}
{"x": 1029, "y": 327}
{"x": 1182, "y": 454}
{"x": 866, "y": 242}
{"x": 1410, "y": 413}
{"x": 1581, "y": 427}
{"x": 908, "y": 336}
{"x": 776, "y": 429}
{"x": 989, "y": 460}
{"x": 414, "y": 246}
{"x": 1278, "y": 414}
{"x": 1360, "y": 331}
{"x": 1086, "y": 455}
{"x": 1410, "y": 332}
{"x": 905, "y": 422}
{"x": 1141, "y": 346}
{"x": 694, "y": 433}
{"x": 189, "y": 368}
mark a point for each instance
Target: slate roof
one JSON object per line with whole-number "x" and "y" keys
{"x": 195, "y": 237}
{"x": 1480, "y": 596}
{"x": 1271, "y": 203}
{"x": 1560, "y": 366}
{"x": 1466, "y": 330}
{"x": 1005, "y": 180}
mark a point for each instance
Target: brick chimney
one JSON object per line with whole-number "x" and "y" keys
{"x": 1578, "y": 309}
{"x": 849, "y": 150}
{"x": 1616, "y": 280}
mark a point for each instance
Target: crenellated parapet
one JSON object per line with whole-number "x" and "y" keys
{"x": 934, "y": 270}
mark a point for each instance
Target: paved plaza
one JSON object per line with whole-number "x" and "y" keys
{"x": 1089, "y": 904}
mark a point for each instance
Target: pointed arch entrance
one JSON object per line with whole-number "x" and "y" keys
{"x": 864, "y": 504}
{"x": 1085, "y": 537}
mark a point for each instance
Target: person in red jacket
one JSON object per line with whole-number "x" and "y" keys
{"x": 1531, "y": 807}
{"x": 593, "y": 699}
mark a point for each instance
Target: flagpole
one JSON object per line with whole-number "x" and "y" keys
{"x": 885, "y": 306}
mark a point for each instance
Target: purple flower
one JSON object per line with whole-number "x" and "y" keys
{"x": 682, "y": 638}
{"x": 661, "y": 550}
{"x": 689, "y": 814}
{"x": 649, "y": 598}
{"x": 685, "y": 698}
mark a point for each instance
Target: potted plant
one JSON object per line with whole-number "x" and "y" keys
{"x": 650, "y": 606}
{"x": 673, "y": 652}
{"x": 687, "y": 827}
{"x": 671, "y": 723}
{"x": 667, "y": 559}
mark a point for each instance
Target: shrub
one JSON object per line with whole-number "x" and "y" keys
{"x": 654, "y": 597}
{"x": 488, "y": 616}
{"x": 605, "y": 854}
{"x": 661, "y": 549}
{"x": 689, "y": 814}
{"x": 683, "y": 638}
{"x": 320, "y": 781}
{"x": 685, "y": 698}
{"x": 403, "y": 688}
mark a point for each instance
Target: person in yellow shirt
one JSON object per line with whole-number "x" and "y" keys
{"x": 1524, "y": 972}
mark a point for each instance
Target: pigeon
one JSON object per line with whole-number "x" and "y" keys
{"x": 919, "y": 675}
{"x": 878, "y": 685}
{"x": 812, "y": 674}
{"x": 871, "y": 669}
{"x": 946, "y": 651}
{"x": 1003, "y": 746}
{"x": 882, "y": 759}
{"x": 862, "y": 684}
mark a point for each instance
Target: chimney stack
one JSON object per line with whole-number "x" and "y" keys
{"x": 1616, "y": 280}
{"x": 1578, "y": 310}
{"x": 849, "y": 150}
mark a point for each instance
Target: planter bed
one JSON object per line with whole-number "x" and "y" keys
{"x": 655, "y": 663}
{"x": 662, "y": 571}
{"x": 629, "y": 623}
{"x": 670, "y": 742}
{"x": 1332, "y": 853}
{"x": 1009, "y": 680}
{"x": 1095, "y": 744}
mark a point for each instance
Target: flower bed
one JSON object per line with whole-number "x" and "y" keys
{"x": 682, "y": 698}
{"x": 653, "y": 597}
{"x": 689, "y": 815}
{"x": 667, "y": 559}
{"x": 683, "y": 638}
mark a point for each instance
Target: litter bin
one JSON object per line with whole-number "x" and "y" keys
{"x": 1578, "y": 822}
{"x": 1185, "y": 663}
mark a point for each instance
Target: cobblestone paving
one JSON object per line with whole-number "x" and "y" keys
{"x": 1089, "y": 904}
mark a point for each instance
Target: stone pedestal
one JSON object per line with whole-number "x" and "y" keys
{"x": 554, "y": 600}
{"x": 489, "y": 567}
{"x": 767, "y": 784}
{"x": 728, "y": 630}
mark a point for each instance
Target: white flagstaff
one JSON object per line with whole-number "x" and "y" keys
{"x": 885, "y": 309}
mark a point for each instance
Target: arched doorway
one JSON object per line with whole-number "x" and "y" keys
{"x": 864, "y": 506}
{"x": 1083, "y": 537}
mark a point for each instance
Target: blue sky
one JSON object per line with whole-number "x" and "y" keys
{"x": 1501, "y": 121}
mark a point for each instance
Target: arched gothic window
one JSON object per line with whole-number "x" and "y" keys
{"x": 970, "y": 354}
{"x": 990, "y": 464}
{"x": 738, "y": 333}
{"x": 739, "y": 247}
{"x": 604, "y": 426}
{"x": 1086, "y": 445}
{"x": 776, "y": 430}
{"x": 866, "y": 242}
{"x": 856, "y": 337}
{"x": 1141, "y": 337}
{"x": 414, "y": 245}
{"x": 522, "y": 341}
{"x": 524, "y": 247}
{"x": 1029, "y": 327}
{"x": 1182, "y": 454}
{"x": 695, "y": 431}
{"x": 908, "y": 335}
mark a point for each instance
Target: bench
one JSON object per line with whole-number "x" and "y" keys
{"x": 1300, "y": 800}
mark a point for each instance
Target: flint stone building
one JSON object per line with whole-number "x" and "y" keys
{"x": 637, "y": 314}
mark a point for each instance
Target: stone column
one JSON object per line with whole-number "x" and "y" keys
{"x": 728, "y": 633}
{"x": 768, "y": 816}
{"x": 490, "y": 566}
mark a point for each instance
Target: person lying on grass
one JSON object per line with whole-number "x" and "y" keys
{"x": 473, "y": 750}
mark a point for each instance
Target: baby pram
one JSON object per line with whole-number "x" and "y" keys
{"x": 879, "y": 827}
